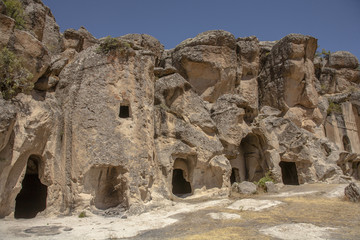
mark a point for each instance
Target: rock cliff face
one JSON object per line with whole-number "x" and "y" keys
{"x": 137, "y": 124}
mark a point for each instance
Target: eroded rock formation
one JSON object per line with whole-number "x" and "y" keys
{"x": 139, "y": 124}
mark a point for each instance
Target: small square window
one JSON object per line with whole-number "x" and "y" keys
{"x": 124, "y": 111}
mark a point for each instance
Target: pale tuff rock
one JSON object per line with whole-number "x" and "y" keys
{"x": 78, "y": 39}
{"x": 343, "y": 59}
{"x": 35, "y": 56}
{"x": 209, "y": 63}
{"x": 34, "y": 135}
{"x": 116, "y": 131}
{"x": 7, "y": 26}
{"x": 7, "y": 121}
{"x": 145, "y": 43}
{"x": 352, "y": 192}
{"x": 244, "y": 187}
{"x": 41, "y": 23}
{"x": 287, "y": 78}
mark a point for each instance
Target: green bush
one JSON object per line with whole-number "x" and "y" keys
{"x": 82, "y": 214}
{"x": 323, "y": 53}
{"x": 268, "y": 178}
{"x": 334, "y": 108}
{"x": 15, "y": 10}
{"x": 111, "y": 45}
{"x": 14, "y": 78}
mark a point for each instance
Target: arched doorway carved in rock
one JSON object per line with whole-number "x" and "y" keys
{"x": 32, "y": 197}
{"x": 254, "y": 160}
{"x": 181, "y": 178}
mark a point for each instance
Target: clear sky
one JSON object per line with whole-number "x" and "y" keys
{"x": 335, "y": 23}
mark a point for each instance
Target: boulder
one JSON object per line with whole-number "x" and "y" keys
{"x": 209, "y": 63}
{"x": 31, "y": 51}
{"x": 246, "y": 188}
{"x": 343, "y": 59}
{"x": 352, "y": 192}
{"x": 271, "y": 187}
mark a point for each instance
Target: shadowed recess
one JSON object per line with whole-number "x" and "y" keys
{"x": 32, "y": 198}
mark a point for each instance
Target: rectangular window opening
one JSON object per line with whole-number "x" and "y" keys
{"x": 124, "y": 111}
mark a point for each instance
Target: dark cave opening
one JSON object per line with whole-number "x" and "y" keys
{"x": 32, "y": 198}
{"x": 124, "y": 111}
{"x": 179, "y": 183}
{"x": 109, "y": 192}
{"x": 289, "y": 173}
{"x": 235, "y": 177}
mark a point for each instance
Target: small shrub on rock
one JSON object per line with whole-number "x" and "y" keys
{"x": 111, "y": 45}
{"x": 15, "y": 10}
{"x": 334, "y": 108}
{"x": 268, "y": 178}
{"x": 82, "y": 214}
{"x": 14, "y": 77}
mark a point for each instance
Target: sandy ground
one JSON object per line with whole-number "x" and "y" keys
{"x": 310, "y": 211}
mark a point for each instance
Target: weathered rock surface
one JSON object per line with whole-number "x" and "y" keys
{"x": 352, "y": 192}
{"x": 208, "y": 62}
{"x": 288, "y": 76}
{"x": 118, "y": 130}
{"x": 7, "y": 26}
{"x": 343, "y": 59}
{"x": 33, "y": 53}
{"x": 41, "y": 23}
{"x": 245, "y": 187}
{"x": 7, "y": 122}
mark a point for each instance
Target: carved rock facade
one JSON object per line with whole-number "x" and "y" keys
{"x": 142, "y": 124}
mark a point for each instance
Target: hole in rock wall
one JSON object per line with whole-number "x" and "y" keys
{"x": 235, "y": 176}
{"x": 255, "y": 164}
{"x": 346, "y": 143}
{"x": 108, "y": 186}
{"x": 124, "y": 111}
{"x": 32, "y": 198}
{"x": 179, "y": 184}
{"x": 289, "y": 173}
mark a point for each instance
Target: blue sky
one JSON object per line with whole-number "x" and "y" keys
{"x": 335, "y": 23}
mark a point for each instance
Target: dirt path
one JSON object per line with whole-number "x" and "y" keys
{"x": 312, "y": 211}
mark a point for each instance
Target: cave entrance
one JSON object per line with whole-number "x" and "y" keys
{"x": 255, "y": 164}
{"x": 235, "y": 176}
{"x": 289, "y": 173}
{"x": 32, "y": 198}
{"x": 108, "y": 184}
{"x": 179, "y": 184}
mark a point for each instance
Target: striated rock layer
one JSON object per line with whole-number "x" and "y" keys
{"x": 118, "y": 129}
